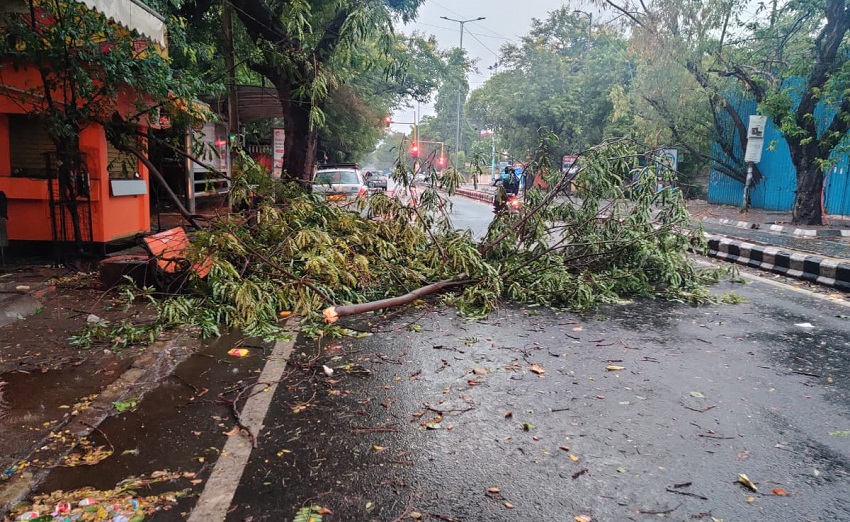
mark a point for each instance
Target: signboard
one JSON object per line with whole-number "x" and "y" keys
{"x": 669, "y": 158}
{"x": 755, "y": 138}
{"x": 278, "y": 141}
{"x": 567, "y": 163}
{"x": 486, "y": 133}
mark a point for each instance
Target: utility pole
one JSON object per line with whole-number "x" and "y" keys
{"x": 457, "y": 136}
{"x": 230, "y": 66}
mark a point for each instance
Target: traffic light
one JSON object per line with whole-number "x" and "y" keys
{"x": 414, "y": 150}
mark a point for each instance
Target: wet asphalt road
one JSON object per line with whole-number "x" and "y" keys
{"x": 705, "y": 393}
{"x": 432, "y": 411}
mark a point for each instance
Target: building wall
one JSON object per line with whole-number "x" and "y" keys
{"x": 113, "y": 217}
{"x": 779, "y": 187}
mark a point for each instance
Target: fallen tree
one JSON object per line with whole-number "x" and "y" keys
{"x": 294, "y": 253}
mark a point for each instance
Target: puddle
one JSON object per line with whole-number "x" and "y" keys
{"x": 36, "y": 397}
{"x": 180, "y": 425}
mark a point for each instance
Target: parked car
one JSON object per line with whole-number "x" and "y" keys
{"x": 375, "y": 179}
{"x": 341, "y": 184}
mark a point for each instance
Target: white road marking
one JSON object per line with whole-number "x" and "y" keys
{"x": 218, "y": 492}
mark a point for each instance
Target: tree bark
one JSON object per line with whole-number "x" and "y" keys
{"x": 807, "y": 204}
{"x": 333, "y": 313}
{"x": 301, "y": 139}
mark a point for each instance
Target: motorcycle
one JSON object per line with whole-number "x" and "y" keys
{"x": 506, "y": 202}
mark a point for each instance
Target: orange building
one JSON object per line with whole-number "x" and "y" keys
{"x": 111, "y": 192}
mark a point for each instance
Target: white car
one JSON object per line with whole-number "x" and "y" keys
{"x": 341, "y": 184}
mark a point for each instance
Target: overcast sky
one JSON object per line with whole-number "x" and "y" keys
{"x": 505, "y": 22}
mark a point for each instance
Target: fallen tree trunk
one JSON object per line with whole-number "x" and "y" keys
{"x": 333, "y": 313}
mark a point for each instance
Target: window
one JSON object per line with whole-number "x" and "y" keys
{"x": 28, "y": 144}
{"x": 337, "y": 177}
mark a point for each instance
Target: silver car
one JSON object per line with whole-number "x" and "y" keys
{"x": 339, "y": 185}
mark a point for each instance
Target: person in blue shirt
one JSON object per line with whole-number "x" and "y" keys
{"x": 508, "y": 184}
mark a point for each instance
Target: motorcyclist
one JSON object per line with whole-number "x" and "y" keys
{"x": 508, "y": 184}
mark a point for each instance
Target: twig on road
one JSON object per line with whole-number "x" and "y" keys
{"x": 807, "y": 374}
{"x": 701, "y": 410}
{"x": 676, "y": 491}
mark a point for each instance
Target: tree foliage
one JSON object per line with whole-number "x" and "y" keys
{"x": 308, "y": 50}
{"x": 559, "y": 79}
{"x": 791, "y": 57}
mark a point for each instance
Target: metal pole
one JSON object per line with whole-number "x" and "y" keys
{"x": 589, "y": 25}
{"x": 457, "y": 135}
{"x": 493, "y": 160}
{"x": 745, "y": 204}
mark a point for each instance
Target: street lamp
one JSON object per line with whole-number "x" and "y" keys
{"x": 457, "y": 136}
{"x": 589, "y": 24}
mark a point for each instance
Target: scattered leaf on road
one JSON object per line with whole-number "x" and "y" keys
{"x": 509, "y": 505}
{"x": 536, "y": 368}
{"x": 480, "y": 371}
{"x": 583, "y": 518}
{"x": 238, "y": 352}
{"x": 743, "y": 479}
{"x": 615, "y": 368}
{"x": 697, "y": 394}
{"x": 574, "y": 458}
{"x": 750, "y": 499}
{"x": 565, "y": 448}
{"x": 328, "y": 370}
{"x": 379, "y": 448}
{"x": 122, "y": 406}
{"x": 780, "y": 492}
{"x": 527, "y": 426}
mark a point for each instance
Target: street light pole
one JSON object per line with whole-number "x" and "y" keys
{"x": 457, "y": 136}
{"x": 589, "y": 25}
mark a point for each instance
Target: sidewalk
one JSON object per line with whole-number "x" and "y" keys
{"x": 774, "y": 221}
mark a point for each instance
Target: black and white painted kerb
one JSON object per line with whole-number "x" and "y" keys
{"x": 817, "y": 269}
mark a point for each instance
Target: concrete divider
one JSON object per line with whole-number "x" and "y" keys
{"x": 809, "y": 267}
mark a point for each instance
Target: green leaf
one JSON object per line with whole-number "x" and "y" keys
{"x": 122, "y": 406}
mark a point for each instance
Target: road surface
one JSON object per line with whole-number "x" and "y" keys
{"x": 638, "y": 411}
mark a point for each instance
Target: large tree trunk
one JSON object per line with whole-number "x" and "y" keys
{"x": 807, "y": 204}
{"x": 300, "y": 146}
